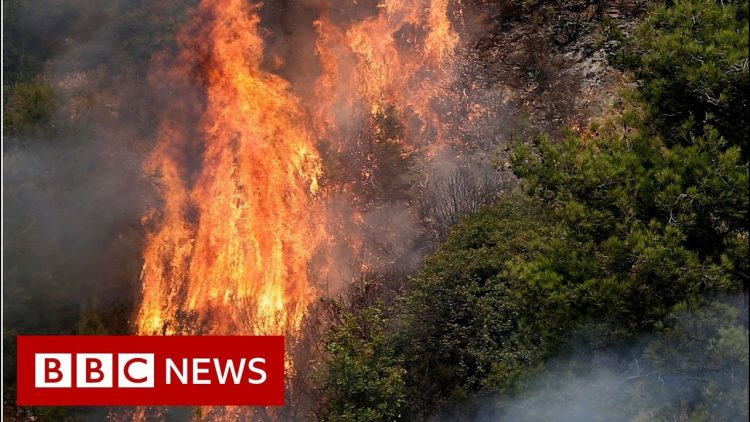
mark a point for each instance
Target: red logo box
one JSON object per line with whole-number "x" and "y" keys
{"x": 150, "y": 370}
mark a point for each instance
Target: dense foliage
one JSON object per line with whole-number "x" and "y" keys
{"x": 630, "y": 240}
{"x": 367, "y": 380}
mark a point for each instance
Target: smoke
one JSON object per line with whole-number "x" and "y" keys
{"x": 74, "y": 192}
{"x": 696, "y": 366}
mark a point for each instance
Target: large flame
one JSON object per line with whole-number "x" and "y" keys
{"x": 235, "y": 235}
{"x": 231, "y": 252}
{"x": 230, "y": 248}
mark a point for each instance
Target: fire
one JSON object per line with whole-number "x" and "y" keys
{"x": 233, "y": 242}
{"x": 235, "y": 235}
{"x": 242, "y": 219}
{"x": 402, "y": 56}
{"x": 231, "y": 248}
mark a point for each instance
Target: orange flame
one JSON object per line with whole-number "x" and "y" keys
{"x": 402, "y": 56}
{"x": 233, "y": 242}
{"x": 232, "y": 247}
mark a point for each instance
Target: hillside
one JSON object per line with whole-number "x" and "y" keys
{"x": 468, "y": 210}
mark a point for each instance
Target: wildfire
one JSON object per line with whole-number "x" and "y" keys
{"x": 235, "y": 235}
{"x": 231, "y": 251}
{"x": 402, "y": 56}
{"x": 231, "y": 246}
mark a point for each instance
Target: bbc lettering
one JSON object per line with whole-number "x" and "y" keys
{"x": 94, "y": 370}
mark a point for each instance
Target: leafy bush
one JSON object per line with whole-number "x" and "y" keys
{"x": 364, "y": 381}
{"x": 29, "y": 108}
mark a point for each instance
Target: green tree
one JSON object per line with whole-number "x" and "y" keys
{"x": 363, "y": 377}
{"x": 691, "y": 59}
{"x": 468, "y": 319}
{"x": 700, "y": 365}
{"x": 661, "y": 194}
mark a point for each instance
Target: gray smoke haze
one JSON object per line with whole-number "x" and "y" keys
{"x": 73, "y": 188}
{"x": 73, "y": 191}
{"x": 696, "y": 367}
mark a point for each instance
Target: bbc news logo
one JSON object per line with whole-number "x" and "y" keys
{"x": 150, "y": 370}
{"x": 136, "y": 370}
